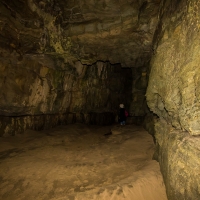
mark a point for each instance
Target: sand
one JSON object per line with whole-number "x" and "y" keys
{"x": 80, "y": 162}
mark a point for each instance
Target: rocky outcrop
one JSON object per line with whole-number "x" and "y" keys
{"x": 173, "y": 95}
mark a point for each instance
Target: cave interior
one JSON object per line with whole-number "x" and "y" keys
{"x": 70, "y": 61}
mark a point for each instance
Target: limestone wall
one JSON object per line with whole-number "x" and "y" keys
{"x": 138, "y": 106}
{"x": 70, "y": 92}
{"x": 179, "y": 158}
{"x": 173, "y": 94}
{"x": 140, "y": 80}
{"x": 173, "y": 90}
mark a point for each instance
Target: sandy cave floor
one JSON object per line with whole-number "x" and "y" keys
{"x": 78, "y": 162}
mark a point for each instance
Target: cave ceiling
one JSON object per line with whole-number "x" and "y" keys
{"x": 117, "y": 31}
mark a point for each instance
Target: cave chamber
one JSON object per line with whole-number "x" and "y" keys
{"x": 65, "y": 62}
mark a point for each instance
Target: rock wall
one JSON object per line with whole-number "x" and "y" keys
{"x": 138, "y": 106}
{"x": 173, "y": 94}
{"x": 140, "y": 80}
{"x": 41, "y": 85}
{"x": 179, "y": 158}
{"x": 48, "y": 49}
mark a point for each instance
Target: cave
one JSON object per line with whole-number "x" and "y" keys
{"x": 69, "y": 64}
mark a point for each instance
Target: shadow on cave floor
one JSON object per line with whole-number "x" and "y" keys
{"x": 80, "y": 162}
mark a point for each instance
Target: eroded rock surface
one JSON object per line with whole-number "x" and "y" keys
{"x": 120, "y": 32}
{"x": 173, "y": 91}
{"x": 35, "y": 95}
{"x": 173, "y": 95}
{"x": 179, "y": 158}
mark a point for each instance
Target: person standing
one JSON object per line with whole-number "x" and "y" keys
{"x": 122, "y": 116}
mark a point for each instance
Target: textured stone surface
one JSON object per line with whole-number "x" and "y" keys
{"x": 17, "y": 125}
{"x": 56, "y": 55}
{"x": 173, "y": 91}
{"x": 120, "y": 32}
{"x": 179, "y": 157}
{"x": 138, "y": 106}
{"x": 34, "y": 88}
{"x": 173, "y": 95}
